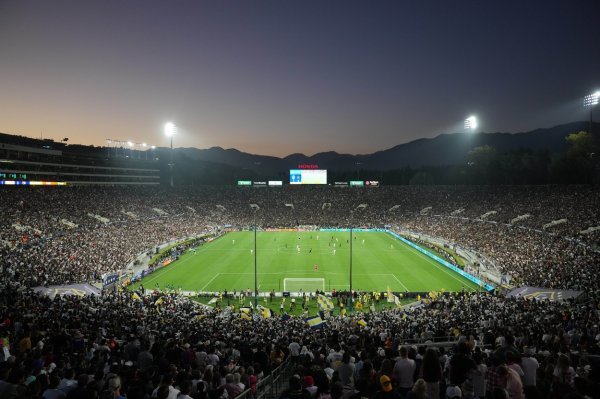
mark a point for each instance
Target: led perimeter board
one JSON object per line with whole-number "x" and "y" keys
{"x": 308, "y": 176}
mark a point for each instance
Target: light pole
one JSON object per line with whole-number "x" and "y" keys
{"x": 351, "y": 296}
{"x": 351, "y": 303}
{"x": 130, "y": 145}
{"x": 590, "y": 101}
{"x": 255, "y": 273}
{"x": 170, "y": 131}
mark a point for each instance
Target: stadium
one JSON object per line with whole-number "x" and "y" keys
{"x": 164, "y": 234}
{"x": 194, "y": 274}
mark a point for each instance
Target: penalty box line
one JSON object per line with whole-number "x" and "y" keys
{"x": 286, "y": 273}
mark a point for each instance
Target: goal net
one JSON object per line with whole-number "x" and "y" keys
{"x": 303, "y": 284}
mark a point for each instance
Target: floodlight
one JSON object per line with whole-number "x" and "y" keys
{"x": 129, "y": 143}
{"x": 170, "y": 129}
{"x": 153, "y": 147}
{"x": 591, "y": 99}
{"x": 144, "y": 145}
{"x": 471, "y": 123}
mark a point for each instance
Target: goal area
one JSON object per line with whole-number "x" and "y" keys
{"x": 303, "y": 284}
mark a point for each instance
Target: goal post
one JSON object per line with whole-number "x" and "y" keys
{"x": 303, "y": 284}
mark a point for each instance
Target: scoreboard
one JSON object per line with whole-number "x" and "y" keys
{"x": 12, "y": 176}
{"x": 308, "y": 176}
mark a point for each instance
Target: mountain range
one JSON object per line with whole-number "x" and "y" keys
{"x": 443, "y": 150}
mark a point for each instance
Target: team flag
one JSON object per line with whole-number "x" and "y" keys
{"x": 266, "y": 312}
{"x": 393, "y": 298}
{"x": 362, "y": 323}
{"x": 324, "y": 302}
{"x": 390, "y": 296}
{"x": 136, "y": 297}
{"x": 315, "y": 322}
{"x": 159, "y": 301}
{"x": 213, "y": 300}
{"x": 245, "y": 316}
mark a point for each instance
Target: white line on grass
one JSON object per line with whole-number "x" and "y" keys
{"x": 438, "y": 265}
{"x": 398, "y": 280}
{"x": 210, "y": 281}
{"x": 287, "y": 272}
{"x": 173, "y": 266}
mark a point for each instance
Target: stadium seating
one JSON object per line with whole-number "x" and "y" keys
{"x": 146, "y": 345}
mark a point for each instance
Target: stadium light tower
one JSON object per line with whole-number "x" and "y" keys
{"x": 170, "y": 131}
{"x": 255, "y": 269}
{"x": 591, "y": 100}
{"x": 471, "y": 123}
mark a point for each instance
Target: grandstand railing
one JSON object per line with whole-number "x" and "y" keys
{"x": 272, "y": 385}
{"x": 487, "y": 269}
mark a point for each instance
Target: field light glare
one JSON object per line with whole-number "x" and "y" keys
{"x": 170, "y": 129}
{"x": 591, "y": 99}
{"x": 471, "y": 123}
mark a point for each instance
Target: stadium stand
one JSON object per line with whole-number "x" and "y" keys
{"x": 165, "y": 345}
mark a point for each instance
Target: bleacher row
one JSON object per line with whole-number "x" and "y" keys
{"x": 113, "y": 345}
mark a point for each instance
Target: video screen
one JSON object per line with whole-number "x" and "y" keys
{"x": 308, "y": 176}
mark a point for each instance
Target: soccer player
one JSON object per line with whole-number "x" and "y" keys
{"x": 334, "y": 251}
{"x": 232, "y": 242}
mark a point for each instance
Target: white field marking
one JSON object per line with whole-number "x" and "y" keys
{"x": 290, "y": 272}
{"x": 158, "y": 274}
{"x": 398, "y": 280}
{"x": 437, "y": 264}
{"x": 210, "y": 281}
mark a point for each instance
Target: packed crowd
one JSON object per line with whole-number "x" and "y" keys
{"x": 529, "y": 257}
{"x": 78, "y": 233}
{"x": 166, "y": 346}
{"x": 163, "y": 345}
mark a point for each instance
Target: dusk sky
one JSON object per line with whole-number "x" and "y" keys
{"x": 279, "y": 77}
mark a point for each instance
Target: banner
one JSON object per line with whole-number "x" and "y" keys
{"x": 109, "y": 279}
{"x": 324, "y": 302}
{"x": 315, "y": 322}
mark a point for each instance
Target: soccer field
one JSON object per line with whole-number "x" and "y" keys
{"x": 290, "y": 261}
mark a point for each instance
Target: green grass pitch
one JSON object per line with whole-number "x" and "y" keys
{"x": 379, "y": 260}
